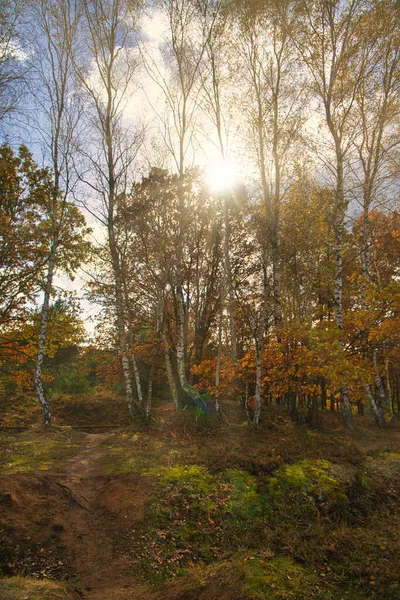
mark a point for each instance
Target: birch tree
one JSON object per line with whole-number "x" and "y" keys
{"x": 105, "y": 70}
{"x": 56, "y": 23}
{"x": 328, "y": 39}
{"x": 377, "y": 112}
{"x": 274, "y": 112}
{"x": 217, "y": 81}
{"x": 179, "y": 81}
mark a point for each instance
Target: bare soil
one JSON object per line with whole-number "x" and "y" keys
{"x": 66, "y": 527}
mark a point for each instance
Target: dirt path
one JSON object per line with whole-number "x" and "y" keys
{"x": 101, "y": 510}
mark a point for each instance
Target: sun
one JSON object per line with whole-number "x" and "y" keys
{"x": 221, "y": 175}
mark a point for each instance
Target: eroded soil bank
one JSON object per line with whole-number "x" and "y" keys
{"x": 65, "y": 526}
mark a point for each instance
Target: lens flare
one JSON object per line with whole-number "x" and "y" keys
{"x": 221, "y": 175}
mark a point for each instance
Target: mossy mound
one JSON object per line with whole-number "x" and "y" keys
{"x": 248, "y": 577}
{"x": 191, "y": 477}
{"x": 196, "y": 517}
{"x": 312, "y": 488}
{"x": 244, "y": 503}
{"x": 21, "y": 588}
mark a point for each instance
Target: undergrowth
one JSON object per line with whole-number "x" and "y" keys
{"x": 278, "y": 513}
{"x": 294, "y": 526}
{"x": 19, "y": 588}
{"x": 37, "y": 450}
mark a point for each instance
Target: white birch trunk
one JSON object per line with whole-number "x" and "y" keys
{"x": 132, "y": 347}
{"x": 257, "y": 410}
{"x": 276, "y": 274}
{"x": 231, "y": 296}
{"x": 119, "y": 305}
{"x": 378, "y": 408}
{"x": 43, "y": 335}
{"x": 137, "y": 380}
{"x": 374, "y": 406}
{"x": 180, "y": 344}
{"x": 345, "y": 404}
{"x": 218, "y": 370}
{"x": 338, "y": 292}
{"x": 149, "y": 398}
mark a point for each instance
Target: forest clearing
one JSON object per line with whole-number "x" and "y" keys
{"x": 199, "y": 510}
{"x": 199, "y": 299}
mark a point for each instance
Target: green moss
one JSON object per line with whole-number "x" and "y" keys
{"x": 116, "y": 462}
{"x": 304, "y": 476}
{"x": 179, "y": 528}
{"x": 312, "y": 487}
{"x": 193, "y": 477}
{"x": 29, "y": 453}
{"x": 273, "y": 578}
{"x": 20, "y": 588}
{"x": 197, "y": 517}
{"x": 243, "y": 501}
{"x": 132, "y": 453}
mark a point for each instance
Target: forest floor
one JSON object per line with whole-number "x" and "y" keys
{"x": 200, "y": 510}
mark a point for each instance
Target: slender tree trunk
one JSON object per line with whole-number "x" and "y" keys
{"x": 375, "y": 408}
{"x": 323, "y": 394}
{"x": 149, "y": 399}
{"x": 119, "y": 305}
{"x": 389, "y": 393}
{"x": 180, "y": 344}
{"x": 276, "y": 275}
{"x": 137, "y": 379}
{"x": 218, "y": 370}
{"x": 378, "y": 407}
{"x": 229, "y": 285}
{"x": 43, "y": 335}
{"x": 345, "y": 404}
{"x": 265, "y": 295}
{"x": 257, "y": 410}
{"x": 365, "y": 254}
{"x": 339, "y": 271}
{"x": 61, "y": 123}
{"x": 116, "y": 263}
{"x": 275, "y": 209}
{"x": 170, "y": 374}
{"x": 131, "y": 338}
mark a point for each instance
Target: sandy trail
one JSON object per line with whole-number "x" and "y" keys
{"x": 102, "y": 509}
